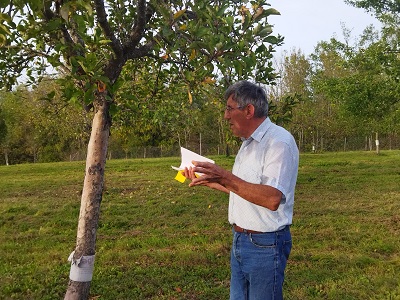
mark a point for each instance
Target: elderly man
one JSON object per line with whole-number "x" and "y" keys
{"x": 261, "y": 194}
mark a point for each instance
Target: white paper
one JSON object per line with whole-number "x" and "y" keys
{"x": 81, "y": 268}
{"x": 187, "y": 157}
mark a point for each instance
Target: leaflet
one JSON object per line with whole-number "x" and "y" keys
{"x": 187, "y": 157}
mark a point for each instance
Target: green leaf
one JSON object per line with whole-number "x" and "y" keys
{"x": 4, "y": 29}
{"x": 238, "y": 67}
{"x": 202, "y": 32}
{"x": 53, "y": 24}
{"x": 4, "y": 3}
{"x": 265, "y": 31}
{"x": 261, "y": 49}
{"x": 271, "y": 11}
{"x": 222, "y": 11}
{"x": 51, "y": 95}
{"x": 83, "y": 66}
{"x": 5, "y": 17}
{"x": 104, "y": 42}
{"x": 87, "y": 6}
{"x": 64, "y": 12}
{"x": 3, "y": 40}
{"x": 272, "y": 40}
{"x": 229, "y": 20}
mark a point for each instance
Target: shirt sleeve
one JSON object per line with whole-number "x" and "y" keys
{"x": 279, "y": 165}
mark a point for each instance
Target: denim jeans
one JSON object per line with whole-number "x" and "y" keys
{"x": 258, "y": 263}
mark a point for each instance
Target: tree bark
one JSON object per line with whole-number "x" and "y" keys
{"x": 92, "y": 193}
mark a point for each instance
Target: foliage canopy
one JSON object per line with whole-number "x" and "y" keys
{"x": 90, "y": 43}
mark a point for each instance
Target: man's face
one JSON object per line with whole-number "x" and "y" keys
{"x": 236, "y": 117}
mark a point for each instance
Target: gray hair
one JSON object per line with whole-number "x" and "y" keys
{"x": 244, "y": 93}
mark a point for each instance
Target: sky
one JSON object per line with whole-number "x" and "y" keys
{"x": 304, "y": 23}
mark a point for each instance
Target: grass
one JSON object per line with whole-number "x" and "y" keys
{"x": 159, "y": 239}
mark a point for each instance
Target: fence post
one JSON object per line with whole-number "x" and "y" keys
{"x": 377, "y": 143}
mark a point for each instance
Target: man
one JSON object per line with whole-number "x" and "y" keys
{"x": 261, "y": 194}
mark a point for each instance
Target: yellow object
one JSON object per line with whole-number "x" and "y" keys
{"x": 180, "y": 177}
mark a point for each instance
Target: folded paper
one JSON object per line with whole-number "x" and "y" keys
{"x": 187, "y": 157}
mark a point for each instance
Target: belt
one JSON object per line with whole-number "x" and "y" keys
{"x": 242, "y": 230}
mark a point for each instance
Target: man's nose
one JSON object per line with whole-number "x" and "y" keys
{"x": 226, "y": 115}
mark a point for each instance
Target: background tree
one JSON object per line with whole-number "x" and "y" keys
{"x": 329, "y": 68}
{"x": 377, "y": 6}
{"x": 35, "y": 130}
{"x": 3, "y": 129}
{"x": 357, "y": 82}
{"x": 92, "y": 42}
{"x": 293, "y": 94}
{"x": 20, "y": 142}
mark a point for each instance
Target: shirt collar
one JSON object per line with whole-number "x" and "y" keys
{"x": 260, "y": 131}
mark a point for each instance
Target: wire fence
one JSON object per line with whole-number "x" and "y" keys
{"x": 321, "y": 145}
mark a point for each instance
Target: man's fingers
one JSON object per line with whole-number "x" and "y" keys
{"x": 202, "y": 164}
{"x": 200, "y": 170}
{"x": 198, "y": 181}
{"x": 186, "y": 172}
{"x": 189, "y": 173}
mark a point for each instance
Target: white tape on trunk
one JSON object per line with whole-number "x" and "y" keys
{"x": 81, "y": 268}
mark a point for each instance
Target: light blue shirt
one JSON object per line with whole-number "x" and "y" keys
{"x": 269, "y": 157}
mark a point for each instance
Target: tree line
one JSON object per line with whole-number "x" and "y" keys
{"x": 344, "y": 96}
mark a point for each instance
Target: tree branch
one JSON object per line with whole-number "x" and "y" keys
{"x": 144, "y": 13}
{"x": 102, "y": 19}
{"x": 50, "y": 15}
{"x": 140, "y": 51}
{"x": 140, "y": 23}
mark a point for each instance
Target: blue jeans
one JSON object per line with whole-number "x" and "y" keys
{"x": 258, "y": 263}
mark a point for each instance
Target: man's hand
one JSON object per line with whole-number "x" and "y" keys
{"x": 212, "y": 175}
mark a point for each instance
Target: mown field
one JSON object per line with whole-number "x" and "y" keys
{"x": 159, "y": 239}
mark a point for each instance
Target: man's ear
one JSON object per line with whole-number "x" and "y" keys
{"x": 250, "y": 111}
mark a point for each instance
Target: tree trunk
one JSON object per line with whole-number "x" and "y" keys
{"x": 79, "y": 285}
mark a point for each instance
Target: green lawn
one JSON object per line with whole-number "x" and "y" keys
{"x": 159, "y": 239}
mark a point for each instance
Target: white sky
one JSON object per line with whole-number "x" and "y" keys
{"x": 304, "y": 23}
